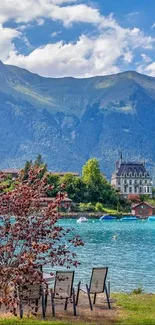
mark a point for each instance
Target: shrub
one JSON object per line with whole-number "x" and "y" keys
{"x": 99, "y": 206}
{"x": 89, "y": 207}
{"x": 138, "y": 291}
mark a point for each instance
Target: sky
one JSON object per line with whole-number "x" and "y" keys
{"x": 79, "y": 38}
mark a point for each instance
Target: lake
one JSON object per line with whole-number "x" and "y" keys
{"x": 126, "y": 247}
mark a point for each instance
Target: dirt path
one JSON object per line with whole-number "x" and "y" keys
{"x": 100, "y": 315}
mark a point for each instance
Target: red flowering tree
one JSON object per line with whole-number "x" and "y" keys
{"x": 30, "y": 235}
{"x": 134, "y": 198}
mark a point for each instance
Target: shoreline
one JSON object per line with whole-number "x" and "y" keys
{"x": 90, "y": 215}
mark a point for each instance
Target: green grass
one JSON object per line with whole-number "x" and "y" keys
{"x": 136, "y": 309}
{"x": 26, "y": 321}
{"x": 114, "y": 211}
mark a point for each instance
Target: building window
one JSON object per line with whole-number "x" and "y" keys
{"x": 145, "y": 181}
{"x": 140, "y": 190}
{"x": 118, "y": 181}
{"x": 135, "y": 181}
{"x": 130, "y": 189}
{"x": 148, "y": 190}
{"x": 125, "y": 181}
{"x": 130, "y": 182}
{"x": 125, "y": 189}
{"x": 140, "y": 182}
{"x": 145, "y": 189}
{"x": 135, "y": 189}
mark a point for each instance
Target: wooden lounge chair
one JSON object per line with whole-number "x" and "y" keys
{"x": 30, "y": 294}
{"x": 97, "y": 285}
{"x": 64, "y": 290}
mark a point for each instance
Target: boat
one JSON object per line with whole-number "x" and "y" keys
{"x": 82, "y": 219}
{"x": 108, "y": 217}
{"x": 129, "y": 219}
{"x": 151, "y": 218}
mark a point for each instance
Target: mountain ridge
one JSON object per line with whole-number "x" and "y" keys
{"x": 70, "y": 120}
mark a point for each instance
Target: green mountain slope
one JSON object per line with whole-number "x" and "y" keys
{"x": 69, "y": 120}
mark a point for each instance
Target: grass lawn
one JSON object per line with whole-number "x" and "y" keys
{"x": 136, "y": 309}
{"x": 132, "y": 310}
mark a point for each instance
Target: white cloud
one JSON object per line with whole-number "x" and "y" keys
{"x": 147, "y": 69}
{"x": 146, "y": 58}
{"x": 40, "y": 21}
{"x": 6, "y": 45}
{"x": 60, "y": 2}
{"x": 24, "y": 27}
{"x": 112, "y": 48}
{"x": 26, "y": 11}
{"x": 150, "y": 69}
{"x": 54, "y": 34}
{"x": 153, "y": 25}
{"x": 84, "y": 58}
{"x": 88, "y": 56}
{"x": 139, "y": 40}
{"x": 132, "y": 15}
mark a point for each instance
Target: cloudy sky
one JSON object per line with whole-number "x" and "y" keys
{"x": 79, "y": 38}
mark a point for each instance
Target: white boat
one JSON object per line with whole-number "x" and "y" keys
{"x": 82, "y": 219}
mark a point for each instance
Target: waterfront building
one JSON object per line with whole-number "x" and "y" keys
{"x": 143, "y": 210}
{"x": 131, "y": 178}
{"x": 11, "y": 171}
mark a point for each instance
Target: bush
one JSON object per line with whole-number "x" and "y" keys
{"x": 99, "y": 207}
{"x": 89, "y": 207}
{"x": 138, "y": 291}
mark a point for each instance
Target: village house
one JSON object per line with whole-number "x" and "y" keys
{"x": 143, "y": 210}
{"x": 15, "y": 173}
{"x": 65, "y": 203}
{"x": 11, "y": 171}
{"x": 131, "y": 178}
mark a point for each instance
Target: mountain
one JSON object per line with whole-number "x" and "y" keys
{"x": 69, "y": 120}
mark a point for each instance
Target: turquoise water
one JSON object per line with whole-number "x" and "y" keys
{"x": 127, "y": 248}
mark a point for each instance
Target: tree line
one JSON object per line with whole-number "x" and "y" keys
{"x": 91, "y": 188}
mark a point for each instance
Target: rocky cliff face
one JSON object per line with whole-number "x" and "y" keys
{"x": 69, "y": 120}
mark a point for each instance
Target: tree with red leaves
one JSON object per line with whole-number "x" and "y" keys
{"x": 30, "y": 235}
{"x": 134, "y": 198}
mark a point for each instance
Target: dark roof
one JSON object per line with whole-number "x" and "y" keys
{"x": 131, "y": 167}
{"x": 140, "y": 203}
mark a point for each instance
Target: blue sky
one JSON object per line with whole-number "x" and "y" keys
{"x": 79, "y": 38}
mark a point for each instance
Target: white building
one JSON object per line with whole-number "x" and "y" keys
{"x": 132, "y": 178}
